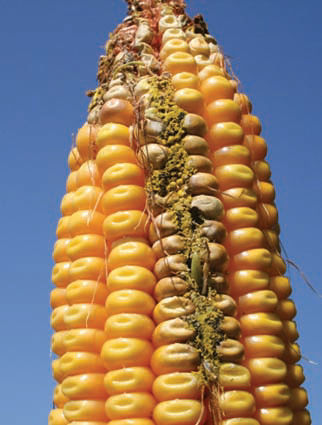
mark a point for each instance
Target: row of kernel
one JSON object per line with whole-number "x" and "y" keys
{"x": 129, "y": 305}
{"x": 231, "y": 376}
{"x": 235, "y": 178}
{"x": 203, "y": 184}
{"x": 127, "y": 351}
{"x": 167, "y": 358}
{"x": 80, "y": 326}
{"x": 189, "y": 98}
{"x": 58, "y": 295}
{"x": 248, "y": 246}
{"x": 268, "y": 220}
{"x": 176, "y": 388}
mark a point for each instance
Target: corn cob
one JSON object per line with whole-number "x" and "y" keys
{"x": 170, "y": 304}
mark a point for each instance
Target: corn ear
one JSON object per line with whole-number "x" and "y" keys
{"x": 171, "y": 305}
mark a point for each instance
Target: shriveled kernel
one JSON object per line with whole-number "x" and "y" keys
{"x": 169, "y": 245}
{"x": 168, "y": 21}
{"x": 230, "y": 350}
{"x": 200, "y": 163}
{"x": 195, "y": 145}
{"x": 172, "y": 307}
{"x": 203, "y": 184}
{"x": 172, "y": 33}
{"x": 153, "y": 156}
{"x": 170, "y": 265}
{"x": 169, "y": 287}
{"x": 209, "y": 206}
{"x": 195, "y": 125}
{"x": 171, "y": 331}
{"x": 231, "y": 327}
{"x": 174, "y": 358}
{"x": 199, "y": 46}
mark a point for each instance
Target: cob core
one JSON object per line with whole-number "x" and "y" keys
{"x": 171, "y": 306}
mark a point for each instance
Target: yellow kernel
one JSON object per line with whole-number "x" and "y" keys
{"x": 191, "y": 100}
{"x": 126, "y": 352}
{"x": 173, "y": 46}
{"x": 180, "y": 62}
{"x": 177, "y": 412}
{"x": 122, "y": 406}
{"x": 129, "y": 379}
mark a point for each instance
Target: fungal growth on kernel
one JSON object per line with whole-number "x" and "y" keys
{"x": 170, "y": 304}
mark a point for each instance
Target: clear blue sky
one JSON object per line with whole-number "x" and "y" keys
{"x": 49, "y": 54}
